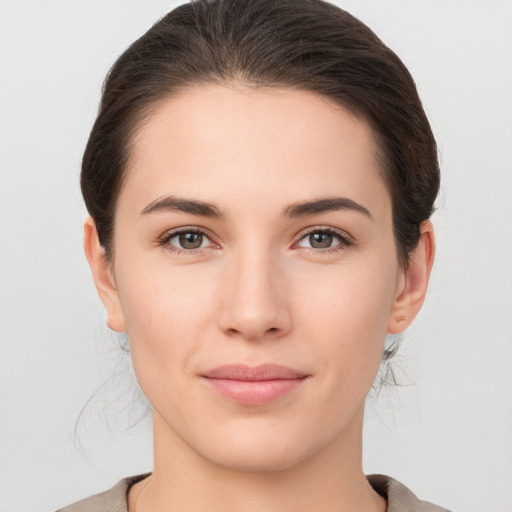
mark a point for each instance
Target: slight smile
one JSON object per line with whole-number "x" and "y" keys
{"x": 258, "y": 385}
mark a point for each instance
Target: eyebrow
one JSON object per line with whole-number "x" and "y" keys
{"x": 175, "y": 204}
{"x": 325, "y": 205}
{"x": 302, "y": 209}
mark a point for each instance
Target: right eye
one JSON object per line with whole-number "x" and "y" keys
{"x": 186, "y": 240}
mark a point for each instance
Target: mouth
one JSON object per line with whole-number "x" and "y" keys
{"x": 256, "y": 385}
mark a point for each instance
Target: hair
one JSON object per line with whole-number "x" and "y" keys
{"x": 308, "y": 45}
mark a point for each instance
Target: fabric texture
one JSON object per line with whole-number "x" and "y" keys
{"x": 399, "y": 497}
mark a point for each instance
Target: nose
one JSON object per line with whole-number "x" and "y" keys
{"x": 254, "y": 299}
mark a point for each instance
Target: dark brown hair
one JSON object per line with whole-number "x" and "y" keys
{"x": 303, "y": 44}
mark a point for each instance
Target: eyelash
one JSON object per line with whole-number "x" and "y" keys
{"x": 164, "y": 240}
{"x": 345, "y": 240}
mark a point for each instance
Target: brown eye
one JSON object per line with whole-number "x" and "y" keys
{"x": 190, "y": 240}
{"x": 320, "y": 240}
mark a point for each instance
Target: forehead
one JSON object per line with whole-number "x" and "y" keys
{"x": 225, "y": 140}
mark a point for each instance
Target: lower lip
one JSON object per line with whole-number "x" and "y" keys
{"x": 260, "y": 392}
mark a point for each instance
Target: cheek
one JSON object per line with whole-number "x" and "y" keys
{"x": 356, "y": 296}
{"x": 168, "y": 311}
{"x": 346, "y": 311}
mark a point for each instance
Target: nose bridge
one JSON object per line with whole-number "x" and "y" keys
{"x": 254, "y": 304}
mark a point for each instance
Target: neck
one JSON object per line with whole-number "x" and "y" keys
{"x": 330, "y": 480}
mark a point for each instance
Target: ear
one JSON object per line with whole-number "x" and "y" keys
{"x": 414, "y": 282}
{"x": 102, "y": 273}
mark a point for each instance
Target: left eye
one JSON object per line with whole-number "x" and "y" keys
{"x": 189, "y": 240}
{"x": 320, "y": 240}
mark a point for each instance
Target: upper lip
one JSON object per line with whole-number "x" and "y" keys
{"x": 261, "y": 372}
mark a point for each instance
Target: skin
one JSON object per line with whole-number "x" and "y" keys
{"x": 256, "y": 292}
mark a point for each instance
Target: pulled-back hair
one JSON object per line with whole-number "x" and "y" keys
{"x": 309, "y": 45}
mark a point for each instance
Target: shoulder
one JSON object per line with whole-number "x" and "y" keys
{"x": 399, "y": 497}
{"x": 113, "y": 500}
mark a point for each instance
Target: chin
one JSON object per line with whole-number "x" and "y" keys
{"x": 261, "y": 448}
{"x": 257, "y": 461}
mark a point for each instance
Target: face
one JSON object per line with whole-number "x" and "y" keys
{"x": 255, "y": 272}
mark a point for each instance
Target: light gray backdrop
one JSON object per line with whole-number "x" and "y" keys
{"x": 447, "y": 435}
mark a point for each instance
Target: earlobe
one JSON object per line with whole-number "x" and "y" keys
{"x": 414, "y": 284}
{"x": 102, "y": 274}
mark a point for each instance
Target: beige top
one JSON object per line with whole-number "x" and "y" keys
{"x": 399, "y": 498}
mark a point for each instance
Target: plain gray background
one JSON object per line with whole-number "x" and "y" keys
{"x": 447, "y": 435}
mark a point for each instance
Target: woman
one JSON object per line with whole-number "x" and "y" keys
{"x": 259, "y": 180}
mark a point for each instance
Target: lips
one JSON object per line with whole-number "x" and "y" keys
{"x": 256, "y": 385}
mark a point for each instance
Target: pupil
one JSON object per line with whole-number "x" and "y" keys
{"x": 320, "y": 240}
{"x": 191, "y": 240}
